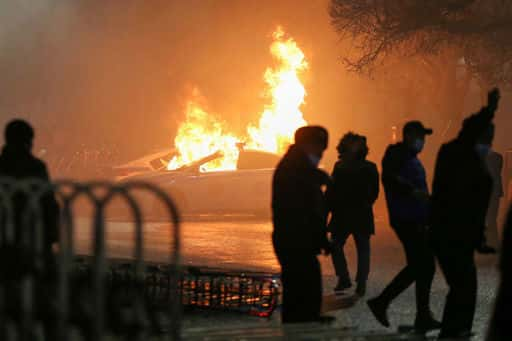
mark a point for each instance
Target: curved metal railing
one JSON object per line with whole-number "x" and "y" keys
{"x": 100, "y": 195}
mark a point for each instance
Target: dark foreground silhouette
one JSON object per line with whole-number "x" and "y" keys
{"x": 16, "y": 255}
{"x": 299, "y": 218}
{"x": 499, "y": 328}
{"x": 354, "y": 189}
{"x": 405, "y": 185}
{"x": 460, "y": 197}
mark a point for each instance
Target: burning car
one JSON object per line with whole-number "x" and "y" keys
{"x": 244, "y": 190}
{"x": 218, "y": 169}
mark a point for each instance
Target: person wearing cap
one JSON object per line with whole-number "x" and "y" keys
{"x": 407, "y": 197}
{"x": 299, "y": 215}
{"x": 461, "y": 191}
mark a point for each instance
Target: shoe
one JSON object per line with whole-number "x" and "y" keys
{"x": 379, "y": 310}
{"x": 361, "y": 289}
{"x": 343, "y": 285}
{"x": 426, "y": 324}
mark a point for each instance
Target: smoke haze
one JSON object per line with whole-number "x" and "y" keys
{"x": 106, "y": 72}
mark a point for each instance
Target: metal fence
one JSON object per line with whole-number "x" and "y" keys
{"x": 59, "y": 302}
{"x": 77, "y": 297}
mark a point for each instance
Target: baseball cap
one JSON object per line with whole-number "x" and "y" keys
{"x": 416, "y": 127}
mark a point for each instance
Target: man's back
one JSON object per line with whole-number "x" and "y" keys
{"x": 298, "y": 206}
{"x": 19, "y": 164}
{"x": 355, "y": 187}
{"x": 460, "y": 193}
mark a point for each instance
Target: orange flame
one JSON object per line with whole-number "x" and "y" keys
{"x": 203, "y": 134}
{"x": 282, "y": 117}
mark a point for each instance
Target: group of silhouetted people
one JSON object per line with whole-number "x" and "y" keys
{"x": 447, "y": 225}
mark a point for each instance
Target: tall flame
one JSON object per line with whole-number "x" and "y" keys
{"x": 202, "y": 134}
{"x": 282, "y": 116}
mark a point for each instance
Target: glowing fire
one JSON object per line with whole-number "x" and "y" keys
{"x": 202, "y": 134}
{"x": 282, "y": 116}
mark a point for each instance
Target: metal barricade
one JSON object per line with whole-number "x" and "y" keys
{"x": 69, "y": 313}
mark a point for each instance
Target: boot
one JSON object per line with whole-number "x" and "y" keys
{"x": 361, "y": 289}
{"x": 426, "y": 323}
{"x": 379, "y": 309}
{"x": 342, "y": 285}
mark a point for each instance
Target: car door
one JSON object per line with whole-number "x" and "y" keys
{"x": 251, "y": 190}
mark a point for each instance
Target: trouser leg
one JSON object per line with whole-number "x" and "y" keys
{"x": 420, "y": 268}
{"x": 338, "y": 255}
{"x": 302, "y": 288}
{"x": 458, "y": 267}
{"x": 405, "y": 277}
{"x": 424, "y": 268}
{"x": 362, "y": 241}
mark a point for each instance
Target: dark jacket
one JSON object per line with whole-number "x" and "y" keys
{"x": 20, "y": 164}
{"x": 299, "y": 209}
{"x": 499, "y": 328}
{"x": 462, "y": 187}
{"x": 402, "y": 174}
{"x": 354, "y": 189}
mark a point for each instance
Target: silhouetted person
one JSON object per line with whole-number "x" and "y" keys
{"x": 354, "y": 189}
{"x": 460, "y": 197}
{"x": 494, "y": 163}
{"x": 405, "y": 186}
{"x": 299, "y": 218}
{"x": 500, "y": 328}
{"x": 17, "y": 162}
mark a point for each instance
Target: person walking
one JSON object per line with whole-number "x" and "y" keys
{"x": 299, "y": 215}
{"x": 461, "y": 191}
{"x": 407, "y": 197}
{"x": 354, "y": 190}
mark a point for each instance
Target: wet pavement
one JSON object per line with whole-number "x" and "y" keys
{"x": 241, "y": 244}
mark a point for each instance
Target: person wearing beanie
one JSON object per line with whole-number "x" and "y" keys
{"x": 299, "y": 215}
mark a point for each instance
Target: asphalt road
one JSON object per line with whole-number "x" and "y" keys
{"x": 234, "y": 244}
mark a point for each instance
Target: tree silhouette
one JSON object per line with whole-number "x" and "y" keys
{"x": 441, "y": 44}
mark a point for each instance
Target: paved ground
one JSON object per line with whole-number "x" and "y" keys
{"x": 246, "y": 245}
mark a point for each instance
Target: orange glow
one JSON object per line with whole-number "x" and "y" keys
{"x": 203, "y": 134}
{"x": 282, "y": 116}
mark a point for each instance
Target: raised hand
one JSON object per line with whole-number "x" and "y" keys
{"x": 493, "y": 98}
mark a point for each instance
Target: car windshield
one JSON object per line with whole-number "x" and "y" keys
{"x": 161, "y": 162}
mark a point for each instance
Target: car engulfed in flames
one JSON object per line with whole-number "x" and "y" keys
{"x": 245, "y": 190}
{"x": 215, "y": 169}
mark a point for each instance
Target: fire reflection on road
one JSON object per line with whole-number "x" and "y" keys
{"x": 228, "y": 244}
